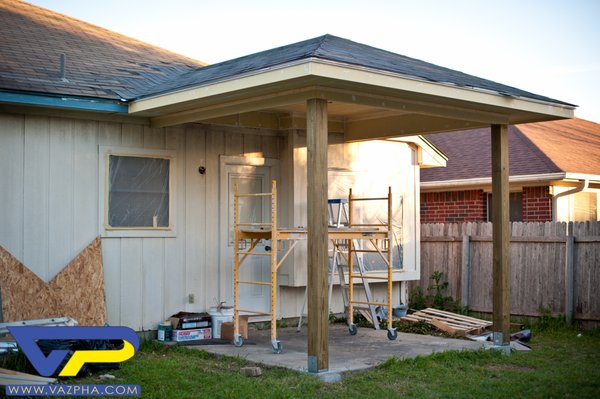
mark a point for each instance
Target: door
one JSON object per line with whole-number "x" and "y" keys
{"x": 249, "y": 179}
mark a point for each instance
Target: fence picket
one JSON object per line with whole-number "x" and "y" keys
{"x": 539, "y": 274}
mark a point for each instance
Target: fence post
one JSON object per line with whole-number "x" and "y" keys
{"x": 465, "y": 278}
{"x": 569, "y": 275}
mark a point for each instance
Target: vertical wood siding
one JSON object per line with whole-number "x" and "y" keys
{"x": 49, "y": 212}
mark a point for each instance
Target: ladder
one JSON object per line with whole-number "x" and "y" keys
{"x": 339, "y": 259}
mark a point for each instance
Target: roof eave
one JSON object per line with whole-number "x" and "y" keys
{"x": 486, "y": 181}
{"x": 297, "y": 81}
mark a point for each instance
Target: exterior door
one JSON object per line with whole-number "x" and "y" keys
{"x": 249, "y": 179}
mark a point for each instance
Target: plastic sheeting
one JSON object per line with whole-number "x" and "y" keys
{"x": 138, "y": 192}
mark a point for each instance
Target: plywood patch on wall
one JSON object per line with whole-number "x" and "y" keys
{"x": 77, "y": 291}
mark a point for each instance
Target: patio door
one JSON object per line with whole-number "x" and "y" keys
{"x": 249, "y": 179}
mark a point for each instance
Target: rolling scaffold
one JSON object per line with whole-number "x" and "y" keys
{"x": 247, "y": 236}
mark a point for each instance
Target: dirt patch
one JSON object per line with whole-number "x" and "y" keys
{"x": 509, "y": 367}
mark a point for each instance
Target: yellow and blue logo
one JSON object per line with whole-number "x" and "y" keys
{"x": 26, "y": 338}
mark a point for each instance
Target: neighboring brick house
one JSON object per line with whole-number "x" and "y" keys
{"x": 554, "y": 174}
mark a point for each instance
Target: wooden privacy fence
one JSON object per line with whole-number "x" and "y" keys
{"x": 553, "y": 265}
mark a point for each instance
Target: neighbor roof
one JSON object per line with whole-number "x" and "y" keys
{"x": 99, "y": 63}
{"x": 336, "y": 49}
{"x": 569, "y": 146}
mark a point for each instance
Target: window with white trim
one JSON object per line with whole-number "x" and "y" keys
{"x": 137, "y": 193}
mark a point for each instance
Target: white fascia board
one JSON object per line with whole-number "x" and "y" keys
{"x": 338, "y": 71}
{"x": 483, "y": 181}
{"x": 582, "y": 176}
{"x": 433, "y": 156}
{"x": 413, "y": 84}
{"x": 239, "y": 82}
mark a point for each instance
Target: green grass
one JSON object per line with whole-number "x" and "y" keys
{"x": 562, "y": 365}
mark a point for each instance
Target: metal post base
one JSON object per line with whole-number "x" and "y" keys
{"x": 313, "y": 365}
{"x": 499, "y": 344}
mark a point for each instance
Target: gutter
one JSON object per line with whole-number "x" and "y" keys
{"x": 583, "y": 186}
{"x": 70, "y": 102}
{"x": 482, "y": 181}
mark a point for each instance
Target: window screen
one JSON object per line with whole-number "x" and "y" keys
{"x": 138, "y": 192}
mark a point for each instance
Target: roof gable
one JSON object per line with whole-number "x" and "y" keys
{"x": 99, "y": 63}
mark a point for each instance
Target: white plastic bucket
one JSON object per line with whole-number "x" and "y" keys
{"x": 218, "y": 318}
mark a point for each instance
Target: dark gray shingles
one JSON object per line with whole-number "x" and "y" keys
{"x": 341, "y": 50}
{"x": 121, "y": 67}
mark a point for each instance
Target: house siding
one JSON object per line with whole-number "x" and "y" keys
{"x": 50, "y": 210}
{"x": 49, "y": 167}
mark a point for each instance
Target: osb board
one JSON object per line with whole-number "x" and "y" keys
{"x": 77, "y": 291}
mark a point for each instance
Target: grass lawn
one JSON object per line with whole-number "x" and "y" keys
{"x": 562, "y": 365}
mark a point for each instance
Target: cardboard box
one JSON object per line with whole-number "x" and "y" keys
{"x": 188, "y": 321}
{"x": 227, "y": 329}
{"x": 191, "y": 335}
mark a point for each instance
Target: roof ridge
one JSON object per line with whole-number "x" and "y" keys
{"x": 319, "y": 48}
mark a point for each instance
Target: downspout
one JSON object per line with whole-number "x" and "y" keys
{"x": 584, "y": 185}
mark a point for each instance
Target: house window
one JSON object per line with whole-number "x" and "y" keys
{"x": 137, "y": 190}
{"x": 515, "y": 207}
{"x": 585, "y": 206}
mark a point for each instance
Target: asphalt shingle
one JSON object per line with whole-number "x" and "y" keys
{"x": 105, "y": 64}
{"x": 570, "y": 145}
{"x": 32, "y": 40}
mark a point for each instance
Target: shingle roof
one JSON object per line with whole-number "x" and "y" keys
{"x": 332, "y": 48}
{"x": 570, "y": 145}
{"x": 104, "y": 64}
{"x": 99, "y": 63}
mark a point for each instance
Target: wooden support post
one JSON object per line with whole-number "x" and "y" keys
{"x": 569, "y": 275}
{"x": 465, "y": 280}
{"x": 318, "y": 306}
{"x": 500, "y": 235}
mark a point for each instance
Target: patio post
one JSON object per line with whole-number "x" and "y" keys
{"x": 318, "y": 301}
{"x": 500, "y": 236}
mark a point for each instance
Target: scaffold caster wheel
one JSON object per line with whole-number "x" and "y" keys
{"x": 238, "y": 340}
{"x": 352, "y": 329}
{"x": 392, "y": 334}
{"x": 276, "y": 346}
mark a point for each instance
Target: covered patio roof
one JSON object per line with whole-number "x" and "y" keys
{"x": 332, "y": 84}
{"x": 371, "y": 93}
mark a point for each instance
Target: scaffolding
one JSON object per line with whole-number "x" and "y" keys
{"x": 247, "y": 236}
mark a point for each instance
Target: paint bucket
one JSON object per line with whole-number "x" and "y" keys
{"x": 164, "y": 331}
{"x": 219, "y": 315}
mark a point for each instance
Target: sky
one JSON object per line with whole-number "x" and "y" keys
{"x": 547, "y": 47}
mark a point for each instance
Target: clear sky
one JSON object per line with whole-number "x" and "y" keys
{"x": 548, "y": 47}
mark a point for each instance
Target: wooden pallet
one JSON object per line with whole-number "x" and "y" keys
{"x": 449, "y": 322}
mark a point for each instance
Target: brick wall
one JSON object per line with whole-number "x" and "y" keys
{"x": 471, "y": 206}
{"x": 453, "y": 207}
{"x": 537, "y": 204}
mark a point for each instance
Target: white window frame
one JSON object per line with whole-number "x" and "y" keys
{"x": 103, "y": 189}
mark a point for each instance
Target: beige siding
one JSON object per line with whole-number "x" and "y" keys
{"x": 49, "y": 212}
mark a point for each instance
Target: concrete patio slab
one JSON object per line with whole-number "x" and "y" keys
{"x": 364, "y": 350}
